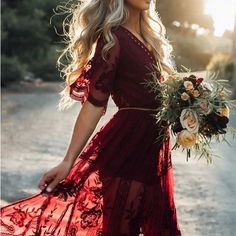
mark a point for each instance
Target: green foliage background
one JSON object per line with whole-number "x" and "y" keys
{"x": 29, "y": 41}
{"x": 31, "y": 46}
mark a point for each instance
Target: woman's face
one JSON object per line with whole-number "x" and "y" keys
{"x": 138, "y": 4}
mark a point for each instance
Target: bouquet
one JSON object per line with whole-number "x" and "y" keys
{"x": 196, "y": 109}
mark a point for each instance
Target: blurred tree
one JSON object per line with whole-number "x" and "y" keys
{"x": 191, "y": 11}
{"x": 234, "y": 56}
{"x": 29, "y": 39}
{"x": 183, "y": 19}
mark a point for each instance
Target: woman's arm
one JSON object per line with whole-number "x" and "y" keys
{"x": 101, "y": 76}
{"x": 85, "y": 124}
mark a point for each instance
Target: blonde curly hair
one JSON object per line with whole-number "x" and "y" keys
{"x": 89, "y": 19}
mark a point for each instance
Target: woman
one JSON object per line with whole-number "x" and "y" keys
{"x": 121, "y": 182}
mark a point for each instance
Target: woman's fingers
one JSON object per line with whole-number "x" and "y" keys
{"x": 51, "y": 178}
{"x": 44, "y": 181}
{"x": 53, "y": 184}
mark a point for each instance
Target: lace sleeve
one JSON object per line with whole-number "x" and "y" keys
{"x": 95, "y": 82}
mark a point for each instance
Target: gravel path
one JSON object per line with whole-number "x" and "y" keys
{"x": 35, "y": 137}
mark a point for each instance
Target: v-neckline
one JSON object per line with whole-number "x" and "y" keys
{"x": 140, "y": 43}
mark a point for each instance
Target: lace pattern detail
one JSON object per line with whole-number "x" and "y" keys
{"x": 96, "y": 208}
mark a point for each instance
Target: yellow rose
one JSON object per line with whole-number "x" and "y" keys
{"x": 196, "y": 93}
{"x": 186, "y": 139}
{"x": 184, "y": 96}
{"x": 224, "y": 111}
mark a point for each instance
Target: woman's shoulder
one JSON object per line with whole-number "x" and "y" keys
{"x": 117, "y": 31}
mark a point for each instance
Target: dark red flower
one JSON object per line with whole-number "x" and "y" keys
{"x": 199, "y": 81}
{"x": 18, "y": 217}
{"x": 73, "y": 230}
{"x": 90, "y": 217}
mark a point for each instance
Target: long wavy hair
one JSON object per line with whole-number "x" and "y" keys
{"x": 87, "y": 20}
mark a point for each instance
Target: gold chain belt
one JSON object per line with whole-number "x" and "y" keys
{"x": 138, "y": 108}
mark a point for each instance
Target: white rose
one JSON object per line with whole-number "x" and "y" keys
{"x": 184, "y": 96}
{"x": 188, "y": 85}
{"x": 189, "y": 120}
{"x": 204, "y": 106}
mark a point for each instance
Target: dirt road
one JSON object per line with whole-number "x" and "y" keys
{"x": 35, "y": 137}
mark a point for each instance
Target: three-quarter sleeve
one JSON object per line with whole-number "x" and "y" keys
{"x": 95, "y": 83}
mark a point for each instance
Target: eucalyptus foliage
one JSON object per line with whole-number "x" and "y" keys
{"x": 197, "y": 107}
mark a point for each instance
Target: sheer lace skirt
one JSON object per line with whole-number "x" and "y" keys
{"x": 104, "y": 195}
{"x": 103, "y": 206}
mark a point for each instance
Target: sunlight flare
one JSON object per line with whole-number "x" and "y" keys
{"x": 222, "y": 13}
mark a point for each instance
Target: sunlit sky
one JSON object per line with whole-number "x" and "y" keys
{"x": 222, "y": 12}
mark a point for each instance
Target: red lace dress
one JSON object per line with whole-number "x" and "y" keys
{"x": 121, "y": 184}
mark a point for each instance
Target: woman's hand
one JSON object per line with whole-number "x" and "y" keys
{"x": 52, "y": 177}
{"x": 85, "y": 124}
